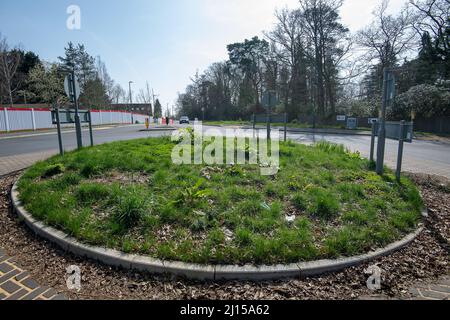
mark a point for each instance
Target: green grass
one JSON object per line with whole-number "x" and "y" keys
{"x": 129, "y": 196}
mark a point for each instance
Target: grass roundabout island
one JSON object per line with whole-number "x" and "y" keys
{"x": 324, "y": 202}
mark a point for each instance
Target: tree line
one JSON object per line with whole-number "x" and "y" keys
{"x": 318, "y": 67}
{"x": 26, "y": 79}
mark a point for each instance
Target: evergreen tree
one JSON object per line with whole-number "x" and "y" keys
{"x": 158, "y": 109}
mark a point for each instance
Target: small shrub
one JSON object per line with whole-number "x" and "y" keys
{"x": 192, "y": 195}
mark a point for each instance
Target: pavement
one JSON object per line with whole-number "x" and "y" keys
{"x": 17, "y": 284}
{"x": 21, "y": 150}
{"x": 319, "y": 130}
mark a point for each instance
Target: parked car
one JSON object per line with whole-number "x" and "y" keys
{"x": 184, "y": 120}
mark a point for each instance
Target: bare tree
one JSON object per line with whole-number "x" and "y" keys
{"x": 434, "y": 19}
{"x": 118, "y": 94}
{"x": 288, "y": 35}
{"x": 9, "y": 62}
{"x": 105, "y": 78}
{"x": 388, "y": 37}
{"x": 288, "y": 40}
{"x": 312, "y": 38}
{"x": 145, "y": 95}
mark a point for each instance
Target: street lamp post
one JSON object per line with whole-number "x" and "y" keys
{"x": 131, "y": 101}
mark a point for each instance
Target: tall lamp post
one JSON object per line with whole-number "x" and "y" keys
{"x": 131, "y": 101}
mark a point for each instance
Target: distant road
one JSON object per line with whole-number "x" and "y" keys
{"x": 21, "y": 150}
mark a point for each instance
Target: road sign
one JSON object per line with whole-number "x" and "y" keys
{"x": 352, "y": 123}
{"x": 68, "y": 116}
{"x": 68, "y": 87}
{"x": 71, "y": 116}
{"x": 393, "y": 131}
{"x": 341, "y": 118}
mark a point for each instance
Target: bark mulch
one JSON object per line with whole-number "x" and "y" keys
{"x": 420, "y": 263}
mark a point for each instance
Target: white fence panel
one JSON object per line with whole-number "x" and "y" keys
{"x": 2, "y": 120}
{"x": 22, "y": 119}
{"x": 95, "y": 118}
{"x": 19, "y": 120}
{"x": 43, "y": 119}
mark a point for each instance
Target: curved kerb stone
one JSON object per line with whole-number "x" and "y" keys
{"x": 194, "y": 271}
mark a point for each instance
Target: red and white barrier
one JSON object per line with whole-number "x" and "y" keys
{"x": 15, "y": 119}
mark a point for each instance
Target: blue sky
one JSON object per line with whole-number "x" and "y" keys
{"x": 163, "y": 42}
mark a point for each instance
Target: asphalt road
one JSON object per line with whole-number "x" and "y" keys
{"x": 22, "y": 149}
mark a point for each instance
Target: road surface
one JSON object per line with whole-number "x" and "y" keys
{"x": 20, "y": 150}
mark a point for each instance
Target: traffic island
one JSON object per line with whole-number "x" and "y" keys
{"x": 127, "y": 205}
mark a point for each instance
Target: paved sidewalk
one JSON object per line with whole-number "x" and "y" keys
{"x": 16, "y": 283}
{"x": 22, "y": 161}
{"x": 436, "y": 290}
{"x": 317, "y": 131}
{"x": 439, "y": 290}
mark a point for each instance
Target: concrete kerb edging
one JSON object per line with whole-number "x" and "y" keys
{"x": 194, "y": 271}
